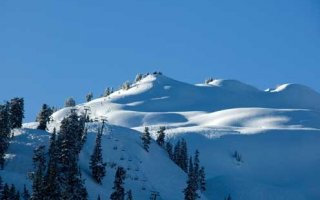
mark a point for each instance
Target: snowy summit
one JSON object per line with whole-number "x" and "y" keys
{"x": 252, "y": 144}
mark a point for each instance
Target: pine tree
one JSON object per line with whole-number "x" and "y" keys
{"x": 169, "y": 150}
{"x": 51, "y": 184}
{"x": 176, "y": 152}
{"x": 183, "y": 156}
{"x": 69, "y": 144}
{"x": 161, "y": 136}
{"x": 146, "y": 139}
{"x": 190, "y": 192}
{"x": 126, "y": 85}
{"x": 44, "y": 116}
{"x": 138, "y": 78}
{"x": 129, "y": 195}
{"x": 70, "y": 102}
{"x": 197, "y": 168}
{"x": 202, "y": 180}
{"x": 12, "y": 192}
{"x": 97, "y": 166}
{"x": 89, "y": 96}
{"x": 107, "y": 92}
{"x": 16, "y": 112}
{"x": 39, "y": 162}
{"x": 6, "y": 192}
{"x": 119, "y": 192}
{"x": 25, "y": 194}
{"x": 4, "y": 132}
{"x": 1, "y": 186}
{"x": 17, "y": 196}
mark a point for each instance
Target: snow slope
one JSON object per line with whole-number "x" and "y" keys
{"x": 276, "y": 132}
{"x": 121, "y": 147}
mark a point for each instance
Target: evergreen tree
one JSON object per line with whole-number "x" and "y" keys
{"x": 89, "y": 96}
{"x": 39, "y": 162}
{"x": 17, "y": 196}
{"x": 13, "y": 193}
{"x": 97, "y": 166}
{"x": 138, "y": 77}
{"x": 161, "y": 136}
{"x": 6, "y": 192}
{"x": 146, "y": 139}
{"x": 176, "y": 152}
{"x": 118, "y": 188}
{"x": 202, "y": 180}
{"x": 180, "y": 154}
{"x": 190, "y": 192}
{"x": 51, "y": 184}
{"x": 126, "y": 85}
{"x": 129, "y": 195}
{"x": 69, "y": 144}
{"x": 70, "y": 102}
{"x": 44, "y": 116}
{"x": 183, "y": 156}
{"x": 107, "y": 92}
{"x": 16, "y": 112}
{"x": 25, "y": 194}
{"x": 197, "y": 168}
{"x": 169, "y": 150}
{"x": 1, "y": 187}
{"x": 4, "y": 132}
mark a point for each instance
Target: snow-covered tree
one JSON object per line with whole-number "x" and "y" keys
{"x": 16, "y": 112}
{"x": 138, "y": 78}
{"x": 119, "y": 192}
{"x": 126, "y": 85}
{"x": 70, "y": 102}
{"x": 107, "y": 91}
{"x": 69, "y": 144}
{"x": 89, "y": 96}
{"x": 209, "y": 80}
{"x": 97, "y": 166}
{"x": 44, "y": 116}
{"x": 146, "y": 139}
{"x": 161, "y": 136}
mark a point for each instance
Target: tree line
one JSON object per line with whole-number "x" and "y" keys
{"x": 178, "y": 153}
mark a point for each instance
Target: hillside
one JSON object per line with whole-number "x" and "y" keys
{"x": 276, "y": 132}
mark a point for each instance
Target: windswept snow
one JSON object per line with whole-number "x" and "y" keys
{"x": 276, "y": 132}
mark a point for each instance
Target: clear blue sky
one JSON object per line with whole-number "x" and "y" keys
{"x": 50, "y": 50}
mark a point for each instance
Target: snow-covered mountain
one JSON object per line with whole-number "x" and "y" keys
{"x": 276, "y": 131}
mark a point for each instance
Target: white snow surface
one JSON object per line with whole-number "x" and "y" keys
{"x": 276, "y": 131}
